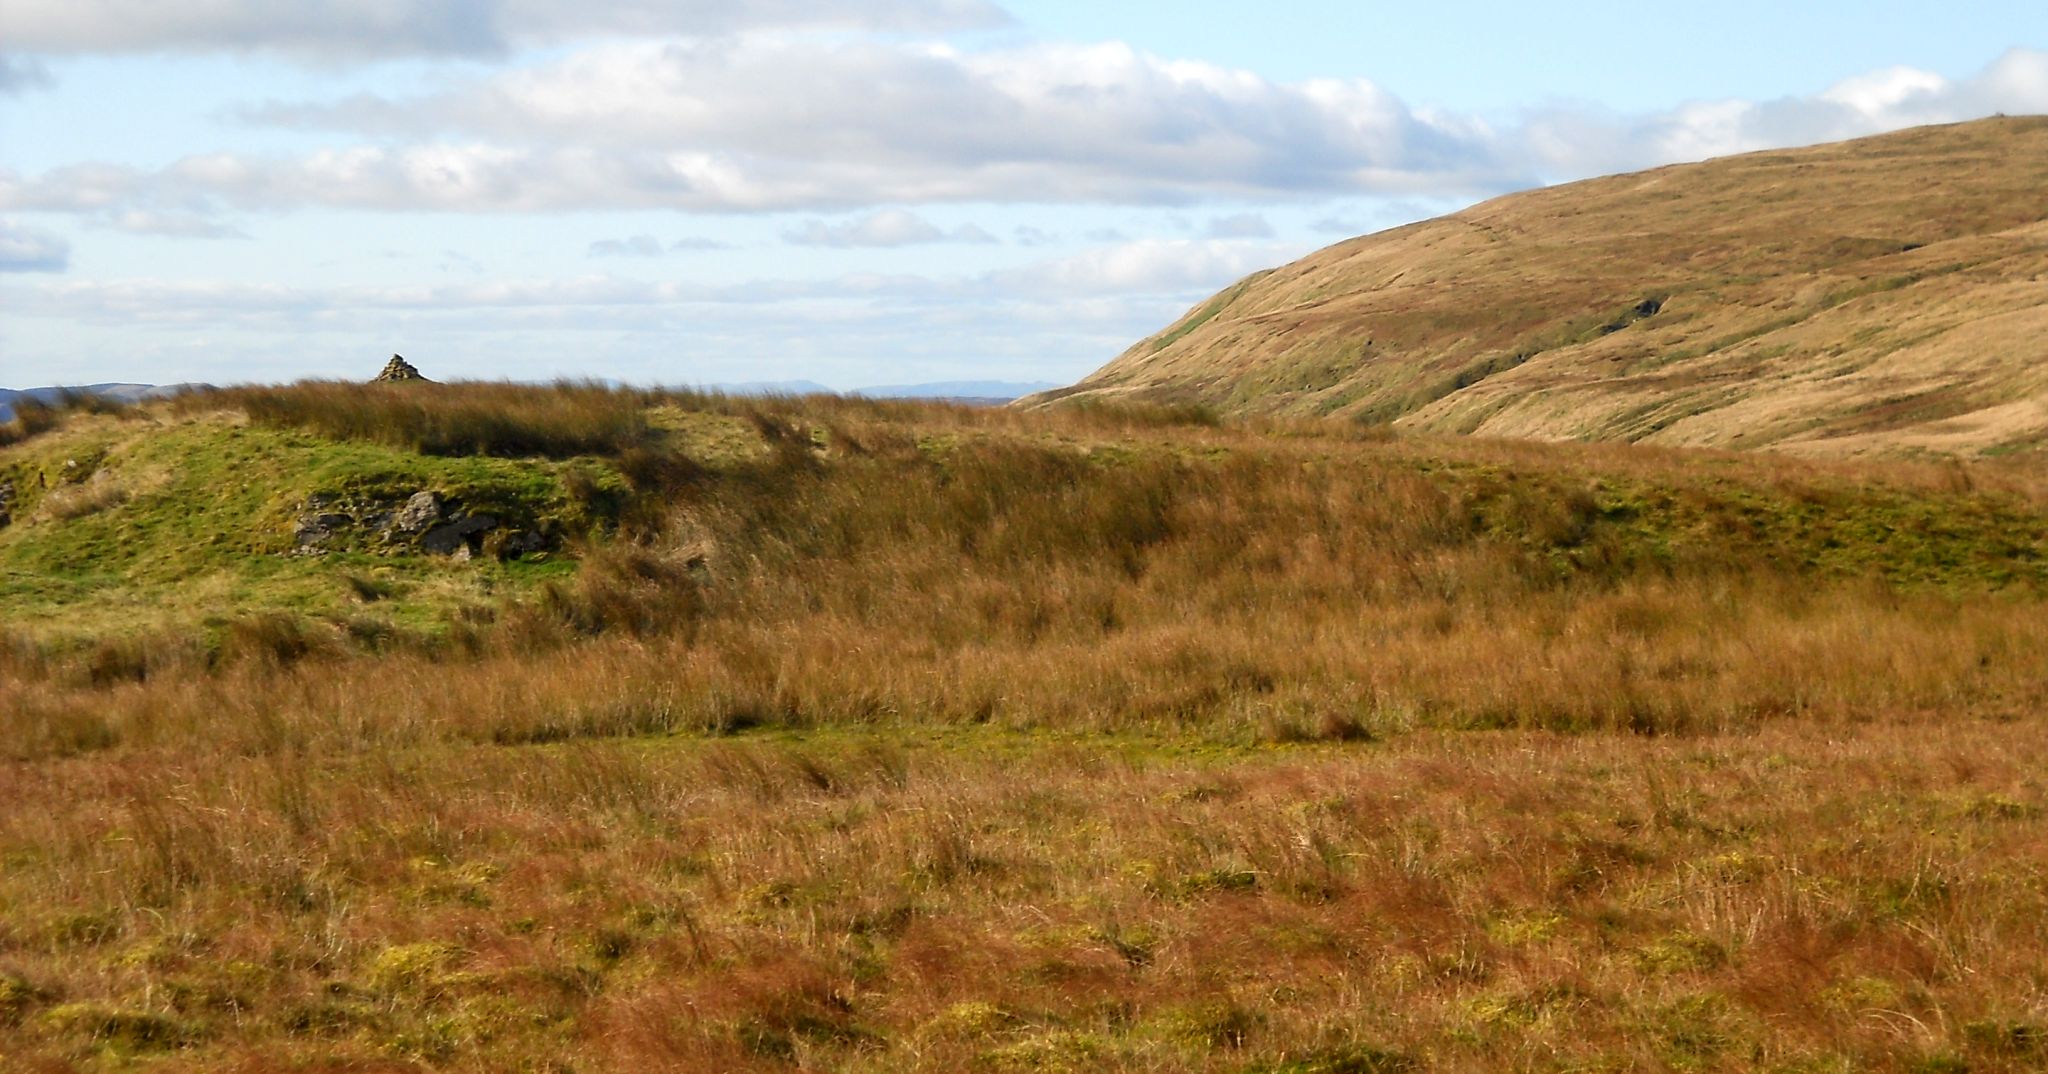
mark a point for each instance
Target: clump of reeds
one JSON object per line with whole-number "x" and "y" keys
{"x": 454, "y": 419}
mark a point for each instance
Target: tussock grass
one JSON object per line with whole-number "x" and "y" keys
{"x": 453, "y": 419}
{"x": 1792, "y": 899}
{"x": 1102, "y": 570}
{"x": 886, "y": 737}
{"x": 33, "y": 416}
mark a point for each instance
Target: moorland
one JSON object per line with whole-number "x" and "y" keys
{"x": 837, "y": 734}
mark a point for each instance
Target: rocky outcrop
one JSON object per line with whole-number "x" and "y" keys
{"x": 6, "y": 504}
{"x": 419, "y": 513}
{"x": 398, "y": 370}
{"x": 424, "y": 522}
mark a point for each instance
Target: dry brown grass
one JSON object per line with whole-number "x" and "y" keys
{"x": 1210, "y": 582}
{"x": 938, "y": 739}
{"x": 1790, "y": 900}
{"x": 451, "y": 419}
{"x": 1875, "y": 296}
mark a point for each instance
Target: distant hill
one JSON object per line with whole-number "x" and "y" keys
{"x": 771, "y": 387}
{"x": 125, "y": 393}
{"x": 1883, "y": 294}
{"x": 978, "y": 390}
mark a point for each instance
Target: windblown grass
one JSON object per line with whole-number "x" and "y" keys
{"x": 1112, "y": 572}
{"x": 924, "y": 738}
{"x": 454, "y": 419}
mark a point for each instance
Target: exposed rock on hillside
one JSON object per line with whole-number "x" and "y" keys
{"x": 1879, "y": 295}
{"x": 423, "y": 522}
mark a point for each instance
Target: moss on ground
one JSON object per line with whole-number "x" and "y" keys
{"x": 123, "y": 526}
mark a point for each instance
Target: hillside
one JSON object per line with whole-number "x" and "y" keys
{"x": 1879, "y": 295}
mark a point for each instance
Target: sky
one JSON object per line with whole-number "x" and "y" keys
{"x": 854, "y": 192}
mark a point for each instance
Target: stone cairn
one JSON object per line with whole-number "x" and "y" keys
{"x": 397, "y": 370}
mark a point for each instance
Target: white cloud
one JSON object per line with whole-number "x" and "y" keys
{"x": 1146, "y": 267}
{"x": 28, "y": 250}
{"x": 331, "y": 30}
{"x": 1578, "y": 143}
{"x": 649, "y": 246}
{"x": 889, "y": 227}
{"x": 635, "y": 246}
{"x": 122, "y": 199}
{"x": 779, "y": 124}
{"x": 1879, "y": 92}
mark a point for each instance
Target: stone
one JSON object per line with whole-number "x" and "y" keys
{"x": 316, "y": 529}
{"x": 421, "y": 511}
{"x": 461, "y": 532}
{"x": 398, "y": 370}
{"x": 6, "y": 504}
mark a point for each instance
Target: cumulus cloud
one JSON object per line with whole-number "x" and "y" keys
{"x": 1145, "y": 267}
{"x": 121, "y": 199}
{"x": 889, "y": 227}
{"x": 774, "y": 126}
{"x": 330, "y": 30}
{"x": 1578, "y": 143}
{"x": 791, "y": 124}
{"x": 28, "y": 250}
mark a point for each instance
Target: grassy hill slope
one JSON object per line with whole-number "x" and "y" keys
{"x": 1884, "y": 294}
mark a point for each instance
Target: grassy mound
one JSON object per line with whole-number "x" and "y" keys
{"x": 1104, "y": 568}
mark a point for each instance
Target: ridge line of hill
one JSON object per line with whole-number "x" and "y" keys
{"x": 1875, "y": 296}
